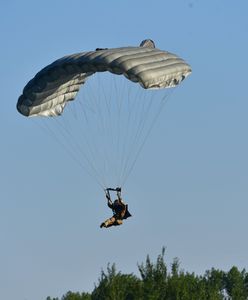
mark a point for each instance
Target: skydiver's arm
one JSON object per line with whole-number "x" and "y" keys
{"x": 110, "y": 203}
{"x": 118, "y": 192}
{"x": 107, "y": 194}
{"x": 121, "y": 200}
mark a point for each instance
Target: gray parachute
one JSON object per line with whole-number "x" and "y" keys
{"x": 51, "y": 88}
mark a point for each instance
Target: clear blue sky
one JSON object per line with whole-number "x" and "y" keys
{"x": 189, "y": 189}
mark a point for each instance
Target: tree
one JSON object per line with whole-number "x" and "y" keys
{"x": 154, "y": 278}
{"x": 215, "y": 284}
{"x": 156, "y": 282}
{"x": 236, "y": 284}
{"x": 114, "y": 285}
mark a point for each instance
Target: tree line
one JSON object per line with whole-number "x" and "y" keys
{"x": 159, "y": 282}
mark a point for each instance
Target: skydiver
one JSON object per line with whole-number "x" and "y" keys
{"x": 119, "y": 208}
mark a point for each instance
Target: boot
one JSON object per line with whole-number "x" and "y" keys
{"x": 102, "y": 225}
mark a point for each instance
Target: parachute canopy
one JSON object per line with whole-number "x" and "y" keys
{"x": 50, "y": 90}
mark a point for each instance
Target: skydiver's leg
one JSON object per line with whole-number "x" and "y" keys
{"x": 109, "y": 222}
{"x": 118, "y": 222}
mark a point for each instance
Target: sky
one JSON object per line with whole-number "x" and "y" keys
{"x": 188, "y": 190}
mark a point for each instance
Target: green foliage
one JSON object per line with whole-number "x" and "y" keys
{"x": 214, "y": 284}
{"x": 114, "y": 285}
{"x": 157, "y": 282}
{"x": 236, "y": 284}
{"x": 154, "y": 278}
{"x": 76, "y": 296}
